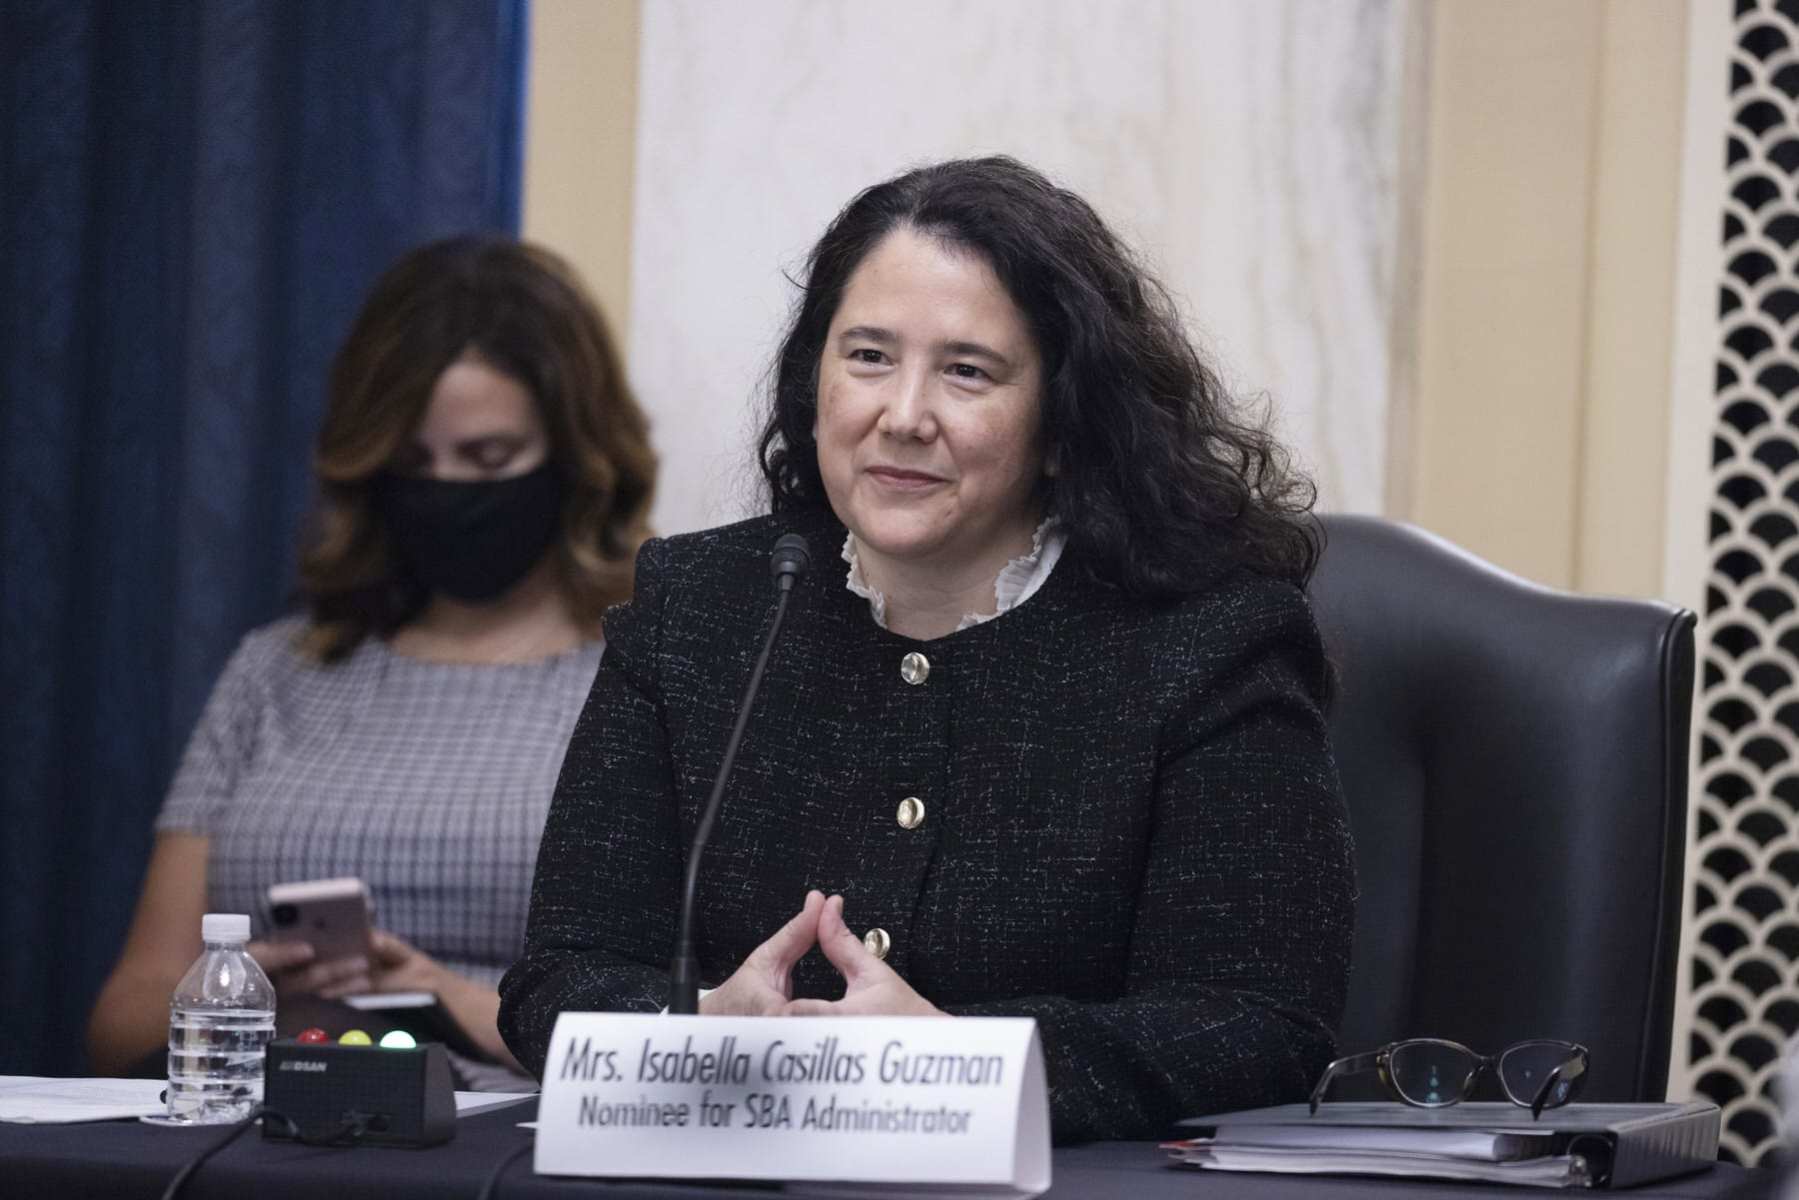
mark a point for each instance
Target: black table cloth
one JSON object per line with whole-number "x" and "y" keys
{"x": 120, "y": 1160}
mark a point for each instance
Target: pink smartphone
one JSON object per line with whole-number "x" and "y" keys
{"x": 334, "y": 915}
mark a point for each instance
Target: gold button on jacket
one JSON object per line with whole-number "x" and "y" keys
{"x": 915, "y": 668}
{"x": 911, "y": 813}
{"x": 877, "y": 941}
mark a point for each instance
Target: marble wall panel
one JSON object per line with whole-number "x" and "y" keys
{"x": 1255, "y": 152}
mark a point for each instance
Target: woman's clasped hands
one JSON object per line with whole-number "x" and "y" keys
{"x": 763, "y": 985}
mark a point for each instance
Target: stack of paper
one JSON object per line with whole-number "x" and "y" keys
{"x": 1439, "y": 1153}
{"x": 1581, "y": 1145}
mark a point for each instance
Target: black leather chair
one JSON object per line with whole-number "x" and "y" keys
{"x": 1515, "y": 760}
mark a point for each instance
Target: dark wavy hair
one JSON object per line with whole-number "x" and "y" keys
{"x": 523, "y": 311}
{"x": 1156, "y": 474}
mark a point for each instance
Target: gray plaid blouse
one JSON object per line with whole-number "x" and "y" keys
{"x": 428, "y": 780}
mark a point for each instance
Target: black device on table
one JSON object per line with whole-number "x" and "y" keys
{"x": 370, "y": 1095}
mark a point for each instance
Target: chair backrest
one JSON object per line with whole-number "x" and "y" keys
{"x": 1515, "y": 760}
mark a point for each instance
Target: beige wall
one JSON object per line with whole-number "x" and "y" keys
{"x": 1539, "y": 432}
{"x": 1634, "y": 223}
{"x": 1534, "y": 421}
{"x": 580, "y": 142}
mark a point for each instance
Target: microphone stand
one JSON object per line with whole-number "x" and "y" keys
{"x": 788, "y": 561}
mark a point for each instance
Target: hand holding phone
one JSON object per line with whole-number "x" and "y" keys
{"x": 334, "y": 916}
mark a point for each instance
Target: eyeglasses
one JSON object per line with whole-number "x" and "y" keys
{"x": 1433, "y": 1073}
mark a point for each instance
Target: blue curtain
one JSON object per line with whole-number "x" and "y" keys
{"x": 194, "y": 194}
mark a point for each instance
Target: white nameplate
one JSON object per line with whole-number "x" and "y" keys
{"x": 945, "y": 1104}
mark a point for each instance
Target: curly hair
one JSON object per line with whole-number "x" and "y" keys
{"x": 1156, "y": 474}
{"x": 523, "y": 312}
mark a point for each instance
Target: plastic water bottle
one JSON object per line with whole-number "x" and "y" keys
{"x": 221, "y": 1018}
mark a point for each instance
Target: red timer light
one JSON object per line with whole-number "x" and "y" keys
{"x": 313, "y": 1037}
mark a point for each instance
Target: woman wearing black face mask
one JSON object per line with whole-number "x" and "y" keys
{"x": 484, "y": 477}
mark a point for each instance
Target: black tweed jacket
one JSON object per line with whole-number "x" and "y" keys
{"x": 1132, "y": 829}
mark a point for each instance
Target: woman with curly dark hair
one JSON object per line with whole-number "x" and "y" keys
{"x": 1049, "y": 733}
{"x": 1149, "y": 470}
{"x": 484, "y": 479}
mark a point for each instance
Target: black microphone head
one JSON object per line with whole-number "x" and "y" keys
{"x": 790, "y": 558}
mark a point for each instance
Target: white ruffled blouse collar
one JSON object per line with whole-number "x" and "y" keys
{"x": 1017, "y": 581}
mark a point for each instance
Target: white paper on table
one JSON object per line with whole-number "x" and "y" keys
{"x": 470, "y": 1103}
{"x": 37, "y": 1100}
{"x": 42, "y": 1100}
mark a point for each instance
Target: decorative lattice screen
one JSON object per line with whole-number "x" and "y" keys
{"x": 1746, "y": 883}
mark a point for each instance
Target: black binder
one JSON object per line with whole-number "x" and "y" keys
{"x": 1619, "y": 1144}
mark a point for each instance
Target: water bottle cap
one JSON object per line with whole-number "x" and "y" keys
{"x": 225, "y": 927}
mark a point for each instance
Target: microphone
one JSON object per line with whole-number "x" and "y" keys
{"x": 786, "y": 563}
{"x": 789, "y": 561}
